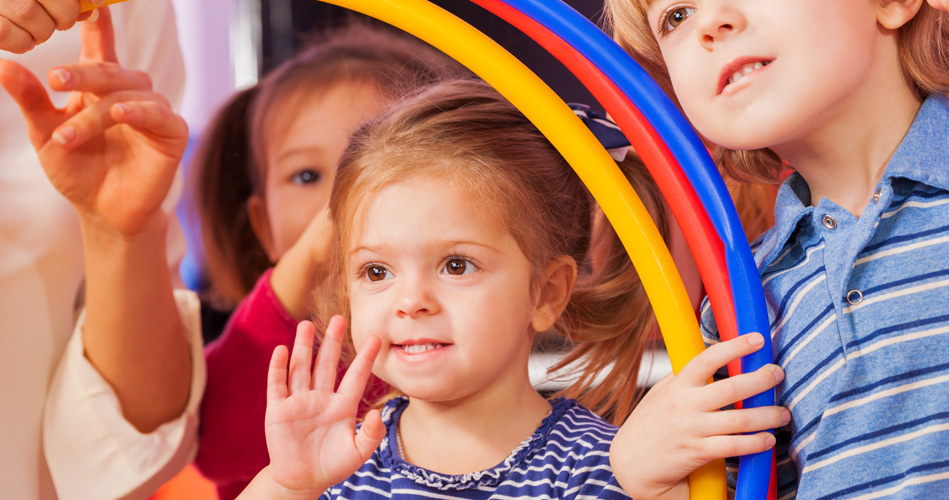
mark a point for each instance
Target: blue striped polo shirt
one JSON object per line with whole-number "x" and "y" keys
{"x": 567, "y": 457}
{"x": 859, "y": 311}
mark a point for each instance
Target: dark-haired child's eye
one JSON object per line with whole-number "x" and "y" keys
{"x": 307, "y": 176}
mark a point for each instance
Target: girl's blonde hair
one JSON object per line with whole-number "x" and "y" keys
{"x": 923, "y": 45}
{"x": 229, "y": 165}
{"x": 466, "y": 133}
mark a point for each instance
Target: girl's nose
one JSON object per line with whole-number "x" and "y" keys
{"x": 718, "y": 20}
{"x": 416, "y": 298}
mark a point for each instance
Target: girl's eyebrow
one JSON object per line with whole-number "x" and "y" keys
{"x": 297, "y": 151}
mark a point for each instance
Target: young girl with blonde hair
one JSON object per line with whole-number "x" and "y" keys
{"x": 461, "y": 234}
{"x": 850, "y": 95}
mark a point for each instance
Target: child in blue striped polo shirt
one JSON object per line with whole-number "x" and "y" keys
{"x": 461, "y": 233}
{"x": 850, "y": 95}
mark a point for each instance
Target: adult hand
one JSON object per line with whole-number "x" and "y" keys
{"x": 114, "y": 148}
{"x": 679, "y": 427}
{"x": 311, "y": 430}
{"x": 27, "y": 23}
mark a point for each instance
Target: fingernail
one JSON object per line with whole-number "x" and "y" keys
{"x": 98, "y": 3}
{"x": 786, "y": 416}
{"x": 32, "y": 45}
{"x": 755, "y": 339}
{"x": 64, "y": 135}
{"x": 769, "y": 440}
{"x": 778, "y": 373}
{"x": 123, "y": 109}
{"x": 93, "y": 16}
{"x": 62, "y": 75}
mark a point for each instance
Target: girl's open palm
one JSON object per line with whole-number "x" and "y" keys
{"x": 678, "y": 426}
{"x": 114, "y": 149}
{"x": 311, "y": 430}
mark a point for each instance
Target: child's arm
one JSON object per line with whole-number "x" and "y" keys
{"x": 678, "y": 426}
{"x": 311, "y": 430}
{"x": 303, "y": 267}
{"x": 113, "y": 152}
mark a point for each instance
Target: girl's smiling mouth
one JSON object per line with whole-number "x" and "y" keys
{"x": 419, "y": 350}
{"x": 737, "y": 71}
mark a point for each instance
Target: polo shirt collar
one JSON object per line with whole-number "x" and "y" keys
{"x": 922, "y": 156}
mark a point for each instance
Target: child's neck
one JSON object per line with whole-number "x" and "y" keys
{"x": 845, "y": 159}
{"x": 472, "y": 434}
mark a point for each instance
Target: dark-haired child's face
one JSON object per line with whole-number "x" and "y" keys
{"x": 305, "y": 140}
{"x": 759, "y": 73}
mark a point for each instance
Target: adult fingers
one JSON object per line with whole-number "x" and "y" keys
{"x": 30, "y": 95}
{"x": 703, "y": 367}
{"x": 98, "y": 78}
{"x": 354, "y": 381}
{"x": 154, "y": 118}
{"x": 327, "y": 359}
{"x": 277, "y": 375}
{"x": 728, "y": 391}
{"x": 725, "y": 446}
{"x": 746, "y": 420}
{"x": 14, "y": 38}
{"x": 31, "y": 17}
{"x": 301, "y": 357}
{"x": 64, "y": 12}
{"x": 97, "y": 38}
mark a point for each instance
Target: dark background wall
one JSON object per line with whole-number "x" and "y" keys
{"x": 286, "y": 22}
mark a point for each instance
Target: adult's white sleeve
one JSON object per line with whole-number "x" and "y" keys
{"x": 86, "y": 436}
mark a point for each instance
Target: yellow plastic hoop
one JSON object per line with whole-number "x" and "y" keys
{"x": 583, "y": 152}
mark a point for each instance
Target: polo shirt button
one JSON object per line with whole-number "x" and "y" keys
{"x": 829, "y": 222}
{"x": 876, "y": 196}
{"x": 854, "y": 297}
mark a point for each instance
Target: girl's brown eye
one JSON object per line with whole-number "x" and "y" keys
{"x": 456, "y": 267}
{"x": 376, "y": 273}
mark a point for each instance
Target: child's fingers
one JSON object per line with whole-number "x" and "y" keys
{"x": 97, "y": 38}
{"x": 300, "y": 358}
{"x": 327, "y": 360}
{"x": 725, "y": 446}
{"x": 354, "y": 381}
{"x": 98, "y": 78}
{"x": 709, "y": 361}
{"x": 277, "y": 375}
{"x": 728, "y": 391}
{"x": 30, "y": 95}
{"x": 370, "y": 434}
{"x": 746, "y": 420}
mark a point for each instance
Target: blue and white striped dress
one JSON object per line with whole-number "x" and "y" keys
{"x": 859, "y": 313}
{"x": 567, "y": 457}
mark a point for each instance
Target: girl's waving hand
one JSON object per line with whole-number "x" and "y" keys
{"x": 311, "y": 430}
{"x": 113, "y": 150}
{"x": 678, "y": 426}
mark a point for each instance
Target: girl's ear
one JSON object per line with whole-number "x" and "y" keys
{"x": 260, "y": 223}
{"x": 555, "y": 289}
{"x": 893, "y": 14}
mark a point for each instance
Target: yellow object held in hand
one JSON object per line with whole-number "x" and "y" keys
{"x": 86, "y": 5}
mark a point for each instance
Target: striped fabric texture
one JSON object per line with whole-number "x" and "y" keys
{"x": 859, "y": 311}
{"x": 567, "y": 457}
